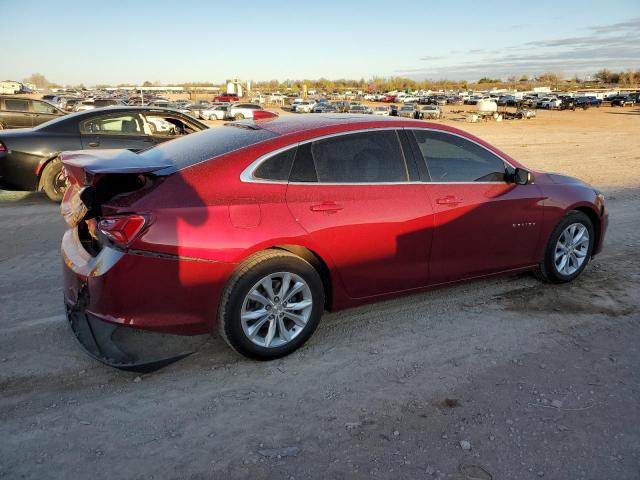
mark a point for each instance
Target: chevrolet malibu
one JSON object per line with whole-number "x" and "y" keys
{"x": 253, "y": 229}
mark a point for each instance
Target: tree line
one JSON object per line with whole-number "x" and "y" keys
{"x": 603, "y": 77}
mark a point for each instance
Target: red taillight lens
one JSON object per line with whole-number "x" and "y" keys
{"x": 2, "y": 147}
{"x": 122, "y": 230}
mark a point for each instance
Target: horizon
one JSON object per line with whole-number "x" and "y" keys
{"x": 134, "y": 43}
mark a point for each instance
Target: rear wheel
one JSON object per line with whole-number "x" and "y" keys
{"x": 568, "y": 250}
{"x": 1, "y": 126}
{"x": 271, "y": 306}
{"x": 238, "y": 116}
{"x": 53, "y": 181}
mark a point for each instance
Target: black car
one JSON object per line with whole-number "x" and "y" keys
{"x": 569, "y": 103}
{"x": 622, "y": 100}
{"x": 29, "y": 157}
{"x": 16, "y": 112}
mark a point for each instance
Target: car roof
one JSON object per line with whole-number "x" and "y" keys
{"x": 290, "y": 124}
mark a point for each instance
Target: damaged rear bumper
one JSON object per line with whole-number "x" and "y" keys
{"x": 136, "y": 310}
{"x": 127, "y": 348}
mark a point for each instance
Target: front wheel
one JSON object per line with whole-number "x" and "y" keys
{"x": 271, "y": 306}
{"x": 53, "y": 181}
{"x": 568, "y": 250}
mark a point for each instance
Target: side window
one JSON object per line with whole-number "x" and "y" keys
{"x": 369, "y": 157}
{"x": 16, "y": 105}
{"x": 277, "y": 167}
{"x": 42, "y": 107}
{"x": 451, "y": 158}
{"x": 113, "y": 125}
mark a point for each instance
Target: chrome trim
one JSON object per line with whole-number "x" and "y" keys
{"x": 247, "y": 174}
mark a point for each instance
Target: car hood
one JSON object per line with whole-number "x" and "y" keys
{"x": 559, "y": 179}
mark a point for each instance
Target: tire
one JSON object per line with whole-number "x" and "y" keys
{"x": 238, "y": 116}
{"x": 1, "y": 126}
{"x": 52, "y": 180}
{"x": 249, "y": 278}
{"x": 549, "y": 270}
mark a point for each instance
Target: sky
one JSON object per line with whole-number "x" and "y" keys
{"x": 116, "y": 41}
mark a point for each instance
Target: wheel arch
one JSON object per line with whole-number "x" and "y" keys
{"x": 316, "y": 262}
{"x": 41, "y": 166}
{"x": 595, "y": 220}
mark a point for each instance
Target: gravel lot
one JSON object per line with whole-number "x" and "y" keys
{"x": 505, "y": 378}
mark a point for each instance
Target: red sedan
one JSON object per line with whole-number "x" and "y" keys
{"x": 255, "y": 228}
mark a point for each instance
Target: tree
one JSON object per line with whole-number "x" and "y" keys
{"x": 489, "y": 80}
{"x": 524, "y": 78}
{"x": 38, "y": 80}
{"x": 147, "y": 83}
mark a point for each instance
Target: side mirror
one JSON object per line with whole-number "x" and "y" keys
{"x": 522, "y": 177}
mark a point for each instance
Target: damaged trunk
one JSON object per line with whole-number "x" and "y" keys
{"x": 94, "y": 179}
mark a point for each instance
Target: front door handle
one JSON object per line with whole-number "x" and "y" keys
{"x": 328, "y": 207}
{"x": 449, "y": 200}
{"x": 94, "y": 144}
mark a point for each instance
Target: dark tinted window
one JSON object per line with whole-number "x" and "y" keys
{"x": 16, "y": 105}
{"x": 303, "y": 168}
{"x": 360, "y": 158}
{"x": 451, "y": 158}
{"x": 276, "y": 167}
{"x": 195, "y": 148}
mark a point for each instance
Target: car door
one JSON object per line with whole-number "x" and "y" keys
{"x": 484, "y": 223}
{"x": 43, "y": 112}
{"x": 115, "y": 130}
{"x": 358, "y": 197}
{"x": 17, "y": 113}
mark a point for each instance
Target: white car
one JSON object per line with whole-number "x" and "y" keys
{"x": 240, "y": 111}
{"x": 430, "y": 111}
{"x": 158, "y": 125}
{"x": 410, "y": 99}
{"x": 384, "y": 110}
{"x": 551, "y": 103}
{"x": 215, "y": 112}
{"x": 305, "y": 106}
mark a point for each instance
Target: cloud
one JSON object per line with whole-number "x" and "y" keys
{"x": 428, "y": 58}
{"x": 615, "y": 46}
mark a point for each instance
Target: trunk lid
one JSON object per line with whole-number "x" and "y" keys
{"x": 86, "y": 168}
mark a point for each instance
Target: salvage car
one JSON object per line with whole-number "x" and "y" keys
{"x": 29, "y": 158}
{"x": 622, "y": 101}
{"x": 215, "y": 112}
{"x": 408, "y": 111}
{"x": 429, "y": 112}
{"x": 16, "y": 112}
{"x": 240, "y": 111}
{"x": 254, "y": 228}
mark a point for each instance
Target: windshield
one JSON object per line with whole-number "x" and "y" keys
{"x": 197, "y": 147}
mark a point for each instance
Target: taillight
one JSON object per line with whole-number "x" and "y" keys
{"x": 122, "y": 230}
{"x": 2, "y": 147}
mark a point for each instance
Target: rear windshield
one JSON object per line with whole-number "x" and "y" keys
{"x": 197, "y": 147}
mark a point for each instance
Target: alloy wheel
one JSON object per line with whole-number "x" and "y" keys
{"x": 276, "y": 309}
{"x": 571, "y": 249}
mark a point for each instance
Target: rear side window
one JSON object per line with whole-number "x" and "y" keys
{"x": 195, "y": 148}
{"x": 15, "y": 105}
{"x": 43, "y": 107}
{"x": 451, "y": 158}
{"x": 370, "y": 157}
{"x": 277, "y": 167}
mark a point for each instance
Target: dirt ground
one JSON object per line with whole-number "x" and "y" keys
{"x": 533, "y": 380}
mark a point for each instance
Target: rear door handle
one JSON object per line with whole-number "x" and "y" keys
{"x": 449, "y": 200}
{"x": 329, "y": 207}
